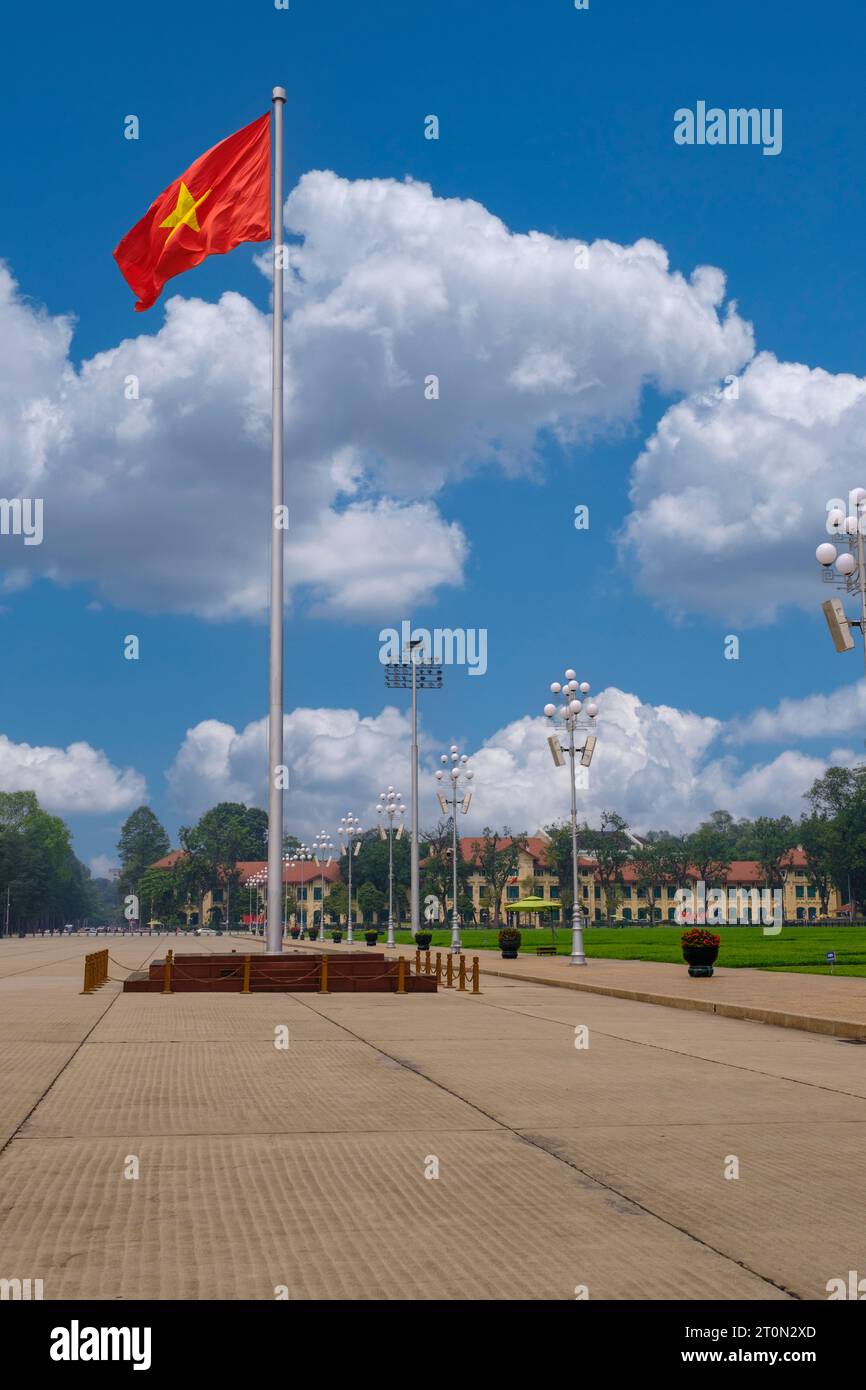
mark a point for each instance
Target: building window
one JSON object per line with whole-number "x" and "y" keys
{"x": 597, "y": 893}
{"x": 598, "y": 914}
{"x": 671, "y": 914}
{"x": 801, "y": 913}
{"x": 626, "y": 914}
{"x": 799, "y": 891}
{"x": 513, "y": 894}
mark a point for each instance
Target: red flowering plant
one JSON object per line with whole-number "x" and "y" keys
{"x": 699, "y": 936}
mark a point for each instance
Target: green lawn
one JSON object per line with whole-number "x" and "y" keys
{"x": 795, "y": 948}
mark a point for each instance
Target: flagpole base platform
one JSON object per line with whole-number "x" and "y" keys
{"x": 288, "y": 973}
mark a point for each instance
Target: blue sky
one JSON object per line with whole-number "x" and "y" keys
{"x": 553, "y": 120}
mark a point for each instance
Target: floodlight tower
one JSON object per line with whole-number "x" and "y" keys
{"x": 850, "y": 570}
{"x": 459, "y": 769}
{"x": 574, "y": 716}
{"x": 416, "y": 673}
{"x": 350, "y": 830}
{"x": 391, "y": 806}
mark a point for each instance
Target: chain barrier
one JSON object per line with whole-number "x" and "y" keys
{"x": 424, "y": 966}
{"x": 95, "y": 971}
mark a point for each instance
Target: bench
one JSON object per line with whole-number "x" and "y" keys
{"x": 545, "y": 950}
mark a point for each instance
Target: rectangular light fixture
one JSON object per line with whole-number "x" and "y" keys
{"x": 837, "y": 622}
{"x": 588, "y": 750}
{"x": 464, "y": 805}
{"x": 555, "y": 750}
{"x": 443, "y": 804}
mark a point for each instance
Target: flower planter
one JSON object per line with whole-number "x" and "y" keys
{"x": 509, "y": 942}
{"x": 313, "y": 933}
{"x": 700, "y": 959}
{"x": 423, "y": 940}
{"x": 337, "y": 937}
{"x": 371, "y": 937}
{"x": 294, "y": 933}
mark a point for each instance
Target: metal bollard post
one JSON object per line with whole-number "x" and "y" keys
{"x": 461, "y": 974}
{"x": 401, "y": 975}
{"x": 323, "y": 983}
{"x": 476, "y": 988}
{"x": 245, "y": 987}
{"x": 166, "y": 973}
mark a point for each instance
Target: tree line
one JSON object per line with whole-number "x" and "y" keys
{"x": 43, "y": 885}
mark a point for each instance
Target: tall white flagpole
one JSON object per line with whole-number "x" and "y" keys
{"x": 275, "y": 708}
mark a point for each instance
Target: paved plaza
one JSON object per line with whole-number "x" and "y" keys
{"x": 305, "y": 1168}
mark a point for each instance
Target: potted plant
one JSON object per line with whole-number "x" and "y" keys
{"x": 313, "y": 933}
{"x": 294, "y": 933}
{"x": 423, "y": 940}
{"x": 700, "y": 948}
{"x": 337, "y": 935}
{"x": 509, "y": 942}
{"x": 371, "y": 935}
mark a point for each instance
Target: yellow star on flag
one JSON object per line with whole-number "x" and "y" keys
{"x": 184, "y": 212}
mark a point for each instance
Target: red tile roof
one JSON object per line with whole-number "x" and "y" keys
{"x": 246, "y": 868}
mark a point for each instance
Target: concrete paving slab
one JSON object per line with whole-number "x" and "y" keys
{"x": 339, "y": 1217}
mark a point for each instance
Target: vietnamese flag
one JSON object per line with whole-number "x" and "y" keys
{"x": 224, "y": 198}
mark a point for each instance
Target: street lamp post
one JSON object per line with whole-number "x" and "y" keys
{"x": 459, "y": 769}
{"x": 323, "y": 846}
{"x": 350, "y": 828}
{"x": 391, "y": 806}
{"x": 850, "y": 569}
{"x": 573, "y": 716}
{"x": 302, "y": 855}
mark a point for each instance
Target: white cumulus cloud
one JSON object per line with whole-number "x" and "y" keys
{"x": 159, "y": 447}
{"x": 79, "y": 779}
{"x": 730, "y": 494}
{"x": 658, "y": 766}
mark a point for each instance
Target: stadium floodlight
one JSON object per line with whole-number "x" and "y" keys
{"x": 415, "y": 672}
{"x": 837, "y": 622}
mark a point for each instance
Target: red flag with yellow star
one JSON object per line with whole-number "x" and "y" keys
{"x": 224, "y": 198}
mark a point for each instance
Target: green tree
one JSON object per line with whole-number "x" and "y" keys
{"x": 708, "y": 849}
{"x": 497, "y": 858}
{"x": 774, "y": 839}
{"x": 142, "y": 841}
{"x": 371, "y": 900}
{"x": 819, "y": 837}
